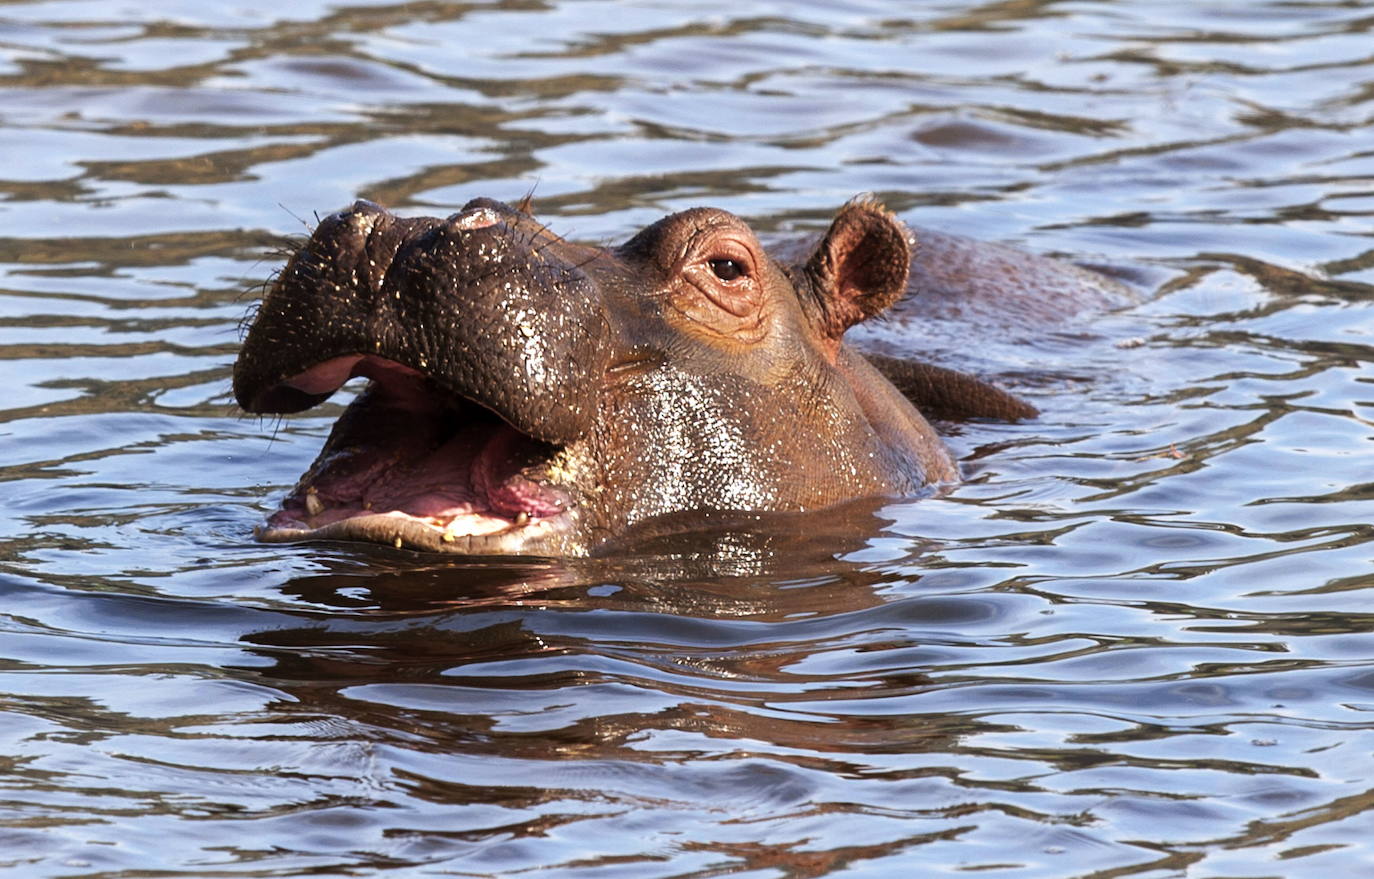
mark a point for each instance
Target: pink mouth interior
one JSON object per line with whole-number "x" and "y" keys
{"x": 405, "y": 449}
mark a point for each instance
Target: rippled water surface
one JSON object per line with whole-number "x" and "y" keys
{"x": 1136, "y": 642}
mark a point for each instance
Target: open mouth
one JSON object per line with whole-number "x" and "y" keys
{"x": 413, "y": 465}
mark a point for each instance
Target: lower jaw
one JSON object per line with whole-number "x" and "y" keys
{"x": 543, "y": 536}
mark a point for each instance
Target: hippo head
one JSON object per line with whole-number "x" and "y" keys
{"x": 529, "y": 395}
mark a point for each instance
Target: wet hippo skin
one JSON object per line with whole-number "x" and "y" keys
{"x": 530, "y": 395}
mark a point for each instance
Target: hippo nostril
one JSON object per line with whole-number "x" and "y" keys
{"x": 362, "y": 215}
{"x": 476, "y": 218}
{"x": 492, "y": 203}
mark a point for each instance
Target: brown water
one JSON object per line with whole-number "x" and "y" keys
{"x": 1135, "y": 643}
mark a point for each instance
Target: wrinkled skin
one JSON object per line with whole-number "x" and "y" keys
{"x": 530, "y": 395}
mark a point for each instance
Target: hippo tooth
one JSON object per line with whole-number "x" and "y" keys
{"x": 313, "y": 505}
{"x": 522, "y": 518}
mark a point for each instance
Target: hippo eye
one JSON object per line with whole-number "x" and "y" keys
{"x": 727, "y": 269}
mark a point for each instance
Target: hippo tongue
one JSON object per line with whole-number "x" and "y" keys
{"x": 495, "y": 475}
{"x": 398, "y": 452}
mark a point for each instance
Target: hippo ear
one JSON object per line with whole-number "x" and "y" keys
{"x": 859, "y": 268}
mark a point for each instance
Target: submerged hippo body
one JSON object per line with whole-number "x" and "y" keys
{"x": 529, "y": 395}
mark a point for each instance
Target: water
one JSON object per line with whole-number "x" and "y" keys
{"x": 1135, "y": 643}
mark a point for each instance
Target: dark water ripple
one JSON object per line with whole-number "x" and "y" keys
{"x": 1133, "y": 643}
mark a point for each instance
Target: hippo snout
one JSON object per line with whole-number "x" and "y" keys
{"x": 473, "y": 302}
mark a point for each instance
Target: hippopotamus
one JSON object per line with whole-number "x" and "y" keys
{"x": 531, "y": 395}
